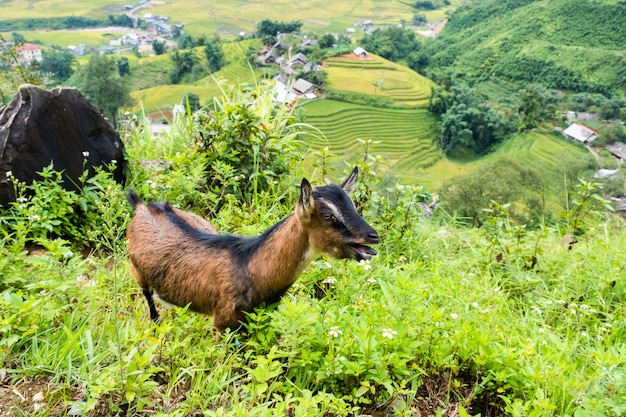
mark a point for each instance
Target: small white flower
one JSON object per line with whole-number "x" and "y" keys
{"x": 22, "y": 199}
{"x": 9, "y": 174}
{"x": 371, "y": 280}
{"x": 85, "y": 154}
{"x": 541, "y": 330}
{"x": 475, "y": 304}
{"x": 114, "y": 161}
{"x": 334, "y": 331}
{"x": 454, "y": 316}
{"x": 471, "y": 274}
{"x": 402, "y": 258}
{"x": 329, "y": 280}
{"x": 537, "y": 309}
{"x": 389, "y": 333}
{"x": 572, "y": 311}
{"x": 34, "y": 217}
{"x": 68, "y": 254}
{"x": 365, "y": 264}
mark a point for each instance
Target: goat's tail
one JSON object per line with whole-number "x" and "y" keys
{"x": 133, "y": 199}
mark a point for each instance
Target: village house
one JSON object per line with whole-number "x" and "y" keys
{"x": 298, "y": 60}
{"x": 28, "y": 53}
{"x": 360, "y": 52}
{"x": 618, "y": 150}
{"x": 580, "y": 133}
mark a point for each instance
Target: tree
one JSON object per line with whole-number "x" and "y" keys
{"x": 469, "y": 124}
{"x": 327, "y": 41}
{"x": 610, "y": 110}
{"x": 269, "y": 27}
{"x": 392, "y": 43}
{"x": 503, "y": 181}
{"x": 57, "y": 63}
{"x": 159, "y": 47}
{"x": 193, "y": 100}
{"x": 101, "y": 83}
{"x": 532, "y": 102}
{"x": 184, "y": 62}
{"x": 214, "y": 56}
{"x": 123, "y": 66}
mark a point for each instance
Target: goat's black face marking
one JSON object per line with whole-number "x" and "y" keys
{"x": 338, "y": 211}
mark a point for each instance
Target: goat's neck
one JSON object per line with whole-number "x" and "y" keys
{"x": 283, "y": 256}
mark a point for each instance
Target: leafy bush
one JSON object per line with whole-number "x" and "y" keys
{"x": 248, "y": 143}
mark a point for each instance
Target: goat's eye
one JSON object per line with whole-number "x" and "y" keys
{"x": 328, "y": 216}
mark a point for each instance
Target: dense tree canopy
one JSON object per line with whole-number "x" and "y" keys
{"x": 101, "y": 83}
{"x": 269, "y": 27}
{"x": 469, "y": 124}
{"x": 57, "y": 63}
{"x": 392, "y": 43}
{"x": 214, "y": 56}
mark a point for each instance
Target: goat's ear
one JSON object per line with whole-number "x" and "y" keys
{"x": 306, "y": 198}
{"x": 350, "y": 183}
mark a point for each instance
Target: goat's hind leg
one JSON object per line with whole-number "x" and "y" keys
{"x": 154, "y": 314}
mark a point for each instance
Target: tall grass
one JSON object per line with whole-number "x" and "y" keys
{"x": 445, "y": 321}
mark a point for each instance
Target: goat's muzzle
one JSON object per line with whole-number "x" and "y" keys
{"x": 363, "y": 252}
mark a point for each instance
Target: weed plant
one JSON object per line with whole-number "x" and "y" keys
{"x": 446, "y": 320}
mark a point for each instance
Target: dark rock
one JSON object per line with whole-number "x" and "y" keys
{"x": 59, "y": 126}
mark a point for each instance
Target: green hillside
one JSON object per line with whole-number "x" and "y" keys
{"x": 577, "y": 45}
{"x": 161, "y": 97}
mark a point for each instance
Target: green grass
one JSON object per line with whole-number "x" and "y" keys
{"x": 472, "y": 327}
{"x": 63, "y": 38}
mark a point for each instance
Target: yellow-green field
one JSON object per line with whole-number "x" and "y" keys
{"x": 63, "y": 38}
{"x": 231, "y": 17}
{"x": 28, "y": 9}
{"x": 378, "y": 77}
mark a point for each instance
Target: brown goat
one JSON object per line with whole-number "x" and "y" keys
{"x": 181, "y": 259}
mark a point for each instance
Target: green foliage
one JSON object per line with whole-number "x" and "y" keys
{"x": 248, "y": 144}
{"x": 184, "y": 63}
{"x": 94, "y": 217}
{"x": 533, "y": 106}
{"x": 543, "y": 42}
{"x": 392, "y": 43}
{"x": 123, "y": 66}
{"x": 468, "y": 124}
{"x": 501, "y": 320}
{"x": 214, "y": 56}
{"x": 58, "y": 63}
{"x": 504, "y": 181}
{"x": 267, "y": 27}
{"x": 159, "y": 47}
{"x": 585, "y": 207}
{"x": 100, "y": 81}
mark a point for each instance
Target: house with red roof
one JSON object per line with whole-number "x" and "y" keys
{"x": 28, "y": 53}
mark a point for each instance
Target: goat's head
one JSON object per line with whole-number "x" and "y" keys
{"x": 332, "y": 222}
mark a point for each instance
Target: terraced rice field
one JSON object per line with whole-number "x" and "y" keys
{"x": 546, "y": 152}
{"x": 405, "y": 137}
{"x": 377, "y": 77}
